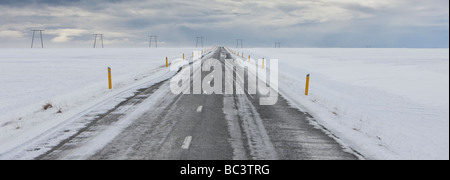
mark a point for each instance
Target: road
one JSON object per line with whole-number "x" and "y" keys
{"x": 157, "y": 124}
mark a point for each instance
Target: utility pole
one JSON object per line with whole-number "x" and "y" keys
{"x": 201, "y": 41}
{"x": 32, "y": 39}
{"x": 239, "y": 41}
{"x": 156, "y": 41}
{"x": 96, "y": 36}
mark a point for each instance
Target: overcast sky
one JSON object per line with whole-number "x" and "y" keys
{"x": 294, "y": 23}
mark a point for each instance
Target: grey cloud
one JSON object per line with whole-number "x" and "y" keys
{"x": 37, "y": 2}
{"x": 322, "y": 23}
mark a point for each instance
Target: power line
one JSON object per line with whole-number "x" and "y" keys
{"x": 32, "y": 39}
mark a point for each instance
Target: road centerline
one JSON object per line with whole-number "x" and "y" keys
{"x": 200, "y": 108}
{"x": 186, "y": 142}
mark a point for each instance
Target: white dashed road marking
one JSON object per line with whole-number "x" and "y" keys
{"x": 199, "y": 109}
{"x": 187, "y": 142}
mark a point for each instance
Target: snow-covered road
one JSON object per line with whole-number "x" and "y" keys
{"x": 156, "y": 124}
{"x": 363, "y": 103}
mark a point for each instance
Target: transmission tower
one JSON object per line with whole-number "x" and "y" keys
{"x": 150, "y": 43}
{"x": 32, "y": 39}
{"x": 97, "y": 36}
{"x": 239, "y": 41}
{"x": 199, "y": 39}
{"x": 277, "y": 45}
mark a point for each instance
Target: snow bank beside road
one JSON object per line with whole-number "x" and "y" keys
{"x": 385, "y": 103}
{"x": 71, "y": 80}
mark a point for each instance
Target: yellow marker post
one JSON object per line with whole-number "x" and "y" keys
{"x": 109, "y": 78}
{"x": 183, "y": 56}
{"x": 307, "y": 85}
{"x": 263, "y": 64}
{"x": 242, "y": 55}
{"x": 167, "y": 62}
{"x": 248, "y": 58}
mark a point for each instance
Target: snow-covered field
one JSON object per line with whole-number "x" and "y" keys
{"x": 384, "y": 103}
{"x": 71, "y": 80}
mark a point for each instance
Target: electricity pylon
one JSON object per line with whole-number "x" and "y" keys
{"x": 32, "y": 39}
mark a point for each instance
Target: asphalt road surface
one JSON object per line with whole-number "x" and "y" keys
{"x": 163, "y": 125}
